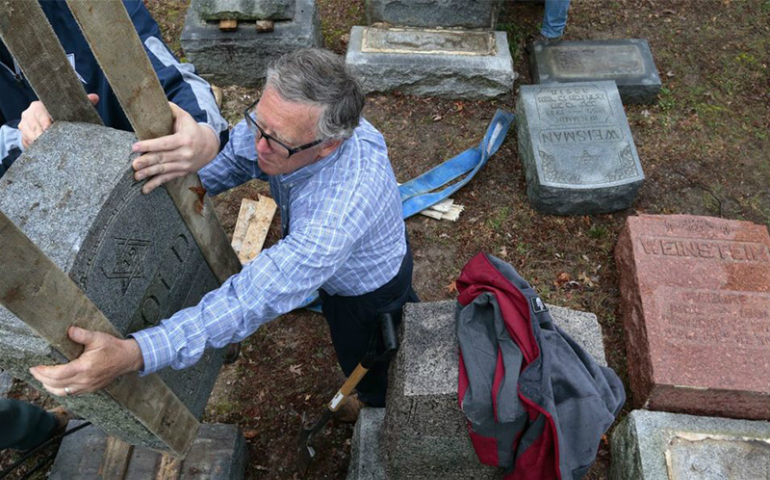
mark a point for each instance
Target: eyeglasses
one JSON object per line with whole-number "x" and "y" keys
{"x": 276, "y": 146}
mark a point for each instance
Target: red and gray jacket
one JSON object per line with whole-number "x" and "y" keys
{"x": 537, "y": 404}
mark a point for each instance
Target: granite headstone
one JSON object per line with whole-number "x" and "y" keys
{"x": 668, "y": 446}
{"x": 242, "y": 57}
{"x": 73, "y": 194}
{"x": 434, "y": 13}
{"x": 425, "y": 433}
{"x": 576, "y": 147}
{"x": 244, "y": 9}
{"x": 628, "y": 62}
{"x": 695, "y": 298}
{"x": 441, "y": 63}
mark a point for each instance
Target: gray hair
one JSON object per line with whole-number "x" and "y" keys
{"x": 319, "y": 77}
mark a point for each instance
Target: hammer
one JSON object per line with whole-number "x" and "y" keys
{"x": 385, "y": 338}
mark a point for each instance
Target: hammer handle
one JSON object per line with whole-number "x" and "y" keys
{"x": 347, "y": 387}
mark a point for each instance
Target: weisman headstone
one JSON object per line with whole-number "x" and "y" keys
{"x": 73, "y": 194}
{"x": 576, "y": 147}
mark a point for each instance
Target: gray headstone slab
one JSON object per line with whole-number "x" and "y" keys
{"x": 667, "y": 446}
{"x": 425, "y": 433}
{"x": 628, "y": 62}
{"x": 434, "y": 13}
{"x": 576, "y": 146}
{"x": 366, "y": 452}
{"x": 72, "y": 193}
{"x": 217, "y": 453}
{"x": 242, "y": 57}
{"x": 244, "y": 9}
{"x": 425, "y": 62}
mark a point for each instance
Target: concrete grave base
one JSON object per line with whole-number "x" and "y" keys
{"x": 218, "y": 453}
{"x": 628, "y": 62}
{"x": 668, "y": 446}
{"x": 577, "y": 149}
{"x": 442, "y": 63}
{"x": 431, "y": 13}
{"x": 425, "y": 433}
{"x": 366, "y": 455}
{"x": 242, "y": 57}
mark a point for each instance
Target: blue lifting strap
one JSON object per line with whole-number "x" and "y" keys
{"x": 419, "y": 193}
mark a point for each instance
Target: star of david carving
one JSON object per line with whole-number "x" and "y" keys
{"x": 129, "y": 258}
{"x": 587, "y": 158}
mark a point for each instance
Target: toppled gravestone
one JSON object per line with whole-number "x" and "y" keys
{"x": 433, "y": 13}
{"x": 438, "y": 63}
{"x": 668, "y": 446}
{"x": 217, "y": 453}
{"x": 695, "y": 299}
{"x": 628, "y": 62}
{"x": 73, "y": 194}
{"x": 244, "y": 9}
{"x": 241, "y": 57}
{"x": 577, "y": 150}
{"x": 425, "y": 434}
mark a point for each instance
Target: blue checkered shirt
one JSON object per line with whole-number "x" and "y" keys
{"x": 343, "y": 232}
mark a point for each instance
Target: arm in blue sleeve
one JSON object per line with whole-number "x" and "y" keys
{"x": 236, "y": 163}
{"x": 10, "y": 145}
{"x": 179, "y": 80}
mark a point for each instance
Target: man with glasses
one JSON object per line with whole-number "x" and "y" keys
{"x": 330, "y": 174}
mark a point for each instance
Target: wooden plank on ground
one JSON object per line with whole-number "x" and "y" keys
{"x": 119, "y": 51}
{"x": 34, "y": 289}
{"x": 117, "y": 455}
{"x": 252, "y": 226}
{"x": 170, "y": 468}
{"x": 29, "y": 37}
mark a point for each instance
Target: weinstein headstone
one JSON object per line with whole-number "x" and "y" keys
{"x": 241, "y": 57}
{"x": 425, "y": 434}
{"x": 695, "y": 298}
{"x": 428, "y": 62}
{"x": 669, "y": 446}
{"x": 73, "y": 194}
{"x": 628, "y": 62}
{"x": 576, "y": 147}
{"x": 434, "y": 13}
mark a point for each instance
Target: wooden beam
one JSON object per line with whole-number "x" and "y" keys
{"x": 29, "y": 37}
{"x": 117, "y": 455}
{"x": 170, "y": 468}
{"x": 228, "y": 25}
{"x": 34, "y": 289}
{"x": 119, "y": 51}
{"x": 252, "y": 226}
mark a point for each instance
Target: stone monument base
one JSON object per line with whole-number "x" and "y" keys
{"x": 662, "y": 446}
{"x": 242, "y": 57}
{"x": 218, "y": 453}
{"x": 473, "y": 64}
{"x": 425, "y": 434}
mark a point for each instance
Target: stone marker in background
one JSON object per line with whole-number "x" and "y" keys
{"x": 576, "y": 147}
{"x": 218, "y": 453}
{"x": 432, "y": 13}
{"x": 668, "y": 446}
{"x": 452, "y": 63}
{"x": 425, "y": 435}
{"x": 695, "y": 298}
{"x": 628, "y": 62}
{"x": 241, "y": 57}
{"x": 73, "y": 194}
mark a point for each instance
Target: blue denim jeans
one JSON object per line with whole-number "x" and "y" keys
{"x": 554, "y": 18}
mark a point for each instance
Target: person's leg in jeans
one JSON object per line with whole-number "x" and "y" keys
{"x": 554, "y": 18}
{"x": 23, "y": 425}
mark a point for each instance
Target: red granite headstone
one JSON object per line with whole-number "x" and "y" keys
{"x": 695, "y": 294}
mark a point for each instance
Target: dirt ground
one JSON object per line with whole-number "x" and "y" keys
{"x": 704, "y": 149}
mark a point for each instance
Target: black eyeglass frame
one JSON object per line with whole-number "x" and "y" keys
{"x": 257, "y": 129}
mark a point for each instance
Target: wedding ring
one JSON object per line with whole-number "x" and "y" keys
{"x": 68, "y": 390}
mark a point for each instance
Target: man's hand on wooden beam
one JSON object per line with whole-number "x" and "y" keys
{"x": 103, "y": 360}
{"x": 187, "y": 150}
{"x": 35, "y": 120}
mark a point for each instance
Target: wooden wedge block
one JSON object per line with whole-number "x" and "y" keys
{"x": 264, "y": 26}
{"x": 228, "y": 25}
{"x": 252, "y": 226}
